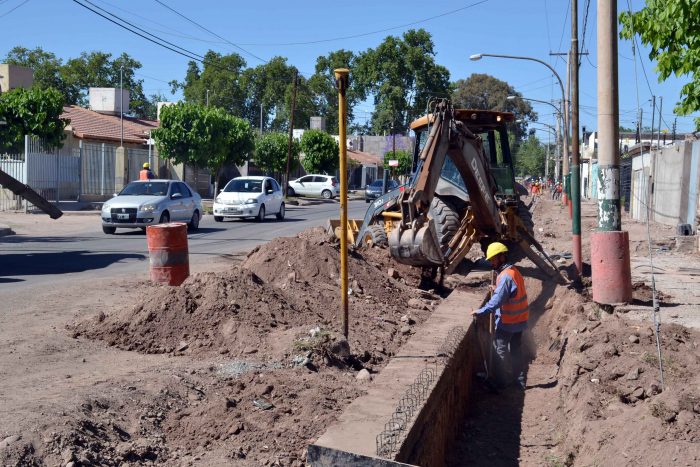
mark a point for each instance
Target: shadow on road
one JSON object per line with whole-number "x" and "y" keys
{"x": 30, "y": 264}
{"x": 40, "y": 239}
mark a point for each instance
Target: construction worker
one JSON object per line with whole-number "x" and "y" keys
{"x": 509, "y": 303}
{"x": 145, "y": 173}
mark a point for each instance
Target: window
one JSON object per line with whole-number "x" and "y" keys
{"x": 275, "y": 186}
{"x": 307, "y": 179}
{"x": 318, "y": 179}
{"x": 145, "y": 188}
{"x": 268, "y": 185}
{"x": 185, "y": 190}
{"x": 244, "y": 185}
{"x": 175, "y": 188}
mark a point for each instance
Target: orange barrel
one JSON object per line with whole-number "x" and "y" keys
{"x": 167, "y": 246}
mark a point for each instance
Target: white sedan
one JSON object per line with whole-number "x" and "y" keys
{"x": 256, "y": 197}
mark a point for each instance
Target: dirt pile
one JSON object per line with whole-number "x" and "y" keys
{"x": 612, "y": 407}
{"x": 281, "y": 290}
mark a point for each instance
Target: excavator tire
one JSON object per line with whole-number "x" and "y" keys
{"x": 376, "y": 236}
{"x": 446, "y": 221}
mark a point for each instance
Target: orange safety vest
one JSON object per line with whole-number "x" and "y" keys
{"x": 515, "y": 309}
{"x": 143, "y": 175}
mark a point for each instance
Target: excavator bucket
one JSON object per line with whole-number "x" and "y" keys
{"x": 416, "y": 247}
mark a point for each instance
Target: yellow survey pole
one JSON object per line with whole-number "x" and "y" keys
{"x": 341, "y": 82}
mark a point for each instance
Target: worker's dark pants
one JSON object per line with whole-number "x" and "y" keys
{"x": 509, "y": 347}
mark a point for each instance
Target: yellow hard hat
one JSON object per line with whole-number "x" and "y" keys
{"x": 494, "y": 249}
{"x": 146, "y": 165}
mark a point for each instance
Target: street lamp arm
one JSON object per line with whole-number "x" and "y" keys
{"x": 516, "y": 57}
{"x": 535, "y": 100}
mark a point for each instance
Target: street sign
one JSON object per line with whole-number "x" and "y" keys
{"x": 393, "y": 163}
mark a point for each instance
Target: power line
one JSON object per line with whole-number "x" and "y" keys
{"x": 13, "y": 9}
{"x": 379, "y": 31}
{"x": 210, "y": 32}
{"x": 563, "y": 28}
{"x": 585, "y": 25}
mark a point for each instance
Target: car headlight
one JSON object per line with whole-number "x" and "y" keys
{"x": 149, "y": 207}
{"x": 218, "y": 200}
{"x": 251, "y": 201}
{"x": 106, "y": 208}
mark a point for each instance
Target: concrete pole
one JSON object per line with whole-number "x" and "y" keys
{"x": 558, "y": 157}
{"x": 575, "y": 146}
{"x": 341, "y": 80}
{"x": 610, "y": 257}
{"x": 567, "y": 124}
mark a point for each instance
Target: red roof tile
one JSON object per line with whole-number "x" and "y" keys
{"x": 88, "y": 124}
{"x": 364, "y": 157}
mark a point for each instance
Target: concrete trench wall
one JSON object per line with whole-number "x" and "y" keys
{"x": 435, "y": 424}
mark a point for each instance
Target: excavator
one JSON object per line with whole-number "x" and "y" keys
{"x": 462, "y": 192}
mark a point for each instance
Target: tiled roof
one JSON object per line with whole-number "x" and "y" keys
{"x": 88, "y": 124}
{"x": 364, "y": 157}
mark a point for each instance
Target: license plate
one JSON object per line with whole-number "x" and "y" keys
{"x": 123, "y": 216}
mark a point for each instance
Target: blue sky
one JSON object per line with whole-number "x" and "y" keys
{"x": 266, "y": 27}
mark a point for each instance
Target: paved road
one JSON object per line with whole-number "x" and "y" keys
{"x": 50, "y": 258}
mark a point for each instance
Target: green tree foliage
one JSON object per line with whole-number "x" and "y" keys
{"x": 320, "y": 152}
{"x": 484, "y": 92}
{"x": 203, "y": 136}
{"x": 322, "y": 85}
{"x": 672, "y": 29}
{"x": 34, "y": 112}
{"x": 271, "y": 152}
{"x": 400, "y": 75}
{"x": 77, "y": 75}
{"x": 530, "y": 158}
{"x": 405, "y": 159}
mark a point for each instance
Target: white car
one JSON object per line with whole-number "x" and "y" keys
{"x": 256, "y": 197}
{"x": 314, "y": 184}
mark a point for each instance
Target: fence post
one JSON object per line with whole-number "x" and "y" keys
{"x": 80, "y": 169}
{"x": 26, "y": 170}
{"x": 102, "y": 178}
{"x": 58, "y": 176}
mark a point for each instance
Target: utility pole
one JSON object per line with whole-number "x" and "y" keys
{"x": 207, "y": 98}
{"x": 261, "y": 118}
{"x": 575, "y": 147}
{"x": 341, "y": 80}
{"x": 558, "y": 157}
{"x": 653, "y": 116}
{"x": 610, "y": 255}
{"x": 658, "y": 133}
{"x": 291, "y": 130}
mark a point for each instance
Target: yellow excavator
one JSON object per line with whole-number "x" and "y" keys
{"x": 462, "y": 192}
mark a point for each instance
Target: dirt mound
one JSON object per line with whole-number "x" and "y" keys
{"x": 612, "y": 405}
{"x": 282, "y": 289}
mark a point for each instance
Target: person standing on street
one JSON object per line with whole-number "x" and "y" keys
{"x": 145, "y": 173}
{"x": 509, "y": 303}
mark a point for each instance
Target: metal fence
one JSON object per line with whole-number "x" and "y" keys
{"x": 66, "y": 174}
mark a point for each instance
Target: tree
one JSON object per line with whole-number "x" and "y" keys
{"x": 320, "y": 152}
{"x": 405, "y": 161}
{"x": 484, "y": 92}
{"x": 46, "y": 66}
{"x": 672, "y": 29}
{"x": 530, "y": 158}
{"x": 203, "y": 136}
{"x": 322, "y": 85}
{"x": 34, "y": 112}
{"x": 400, "y": 75}
{"x": 271, "y": 152}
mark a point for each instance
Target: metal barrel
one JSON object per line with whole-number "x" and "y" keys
{"x": 169, "y": 256}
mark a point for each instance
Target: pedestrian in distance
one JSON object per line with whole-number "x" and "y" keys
{"x": 145, "y": 173}
{"x": 510, "y": 306}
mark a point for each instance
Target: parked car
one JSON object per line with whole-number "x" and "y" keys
{"x": 148, "y": 202}
{"x": 256, "y": 197}
{"x": 314, "y": 184}
{"x": 374, "y": 189}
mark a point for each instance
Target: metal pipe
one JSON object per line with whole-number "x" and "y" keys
{"x": 341, "y": 81}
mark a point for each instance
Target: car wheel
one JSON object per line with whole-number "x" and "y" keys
{"x": 164, "y": 218}
{"x": 280, "y": 215}
{"x": 327, "y": 194}
{"x": 194, "y": 222}
{"x": 290, "y": 191}
{"x": 218, "y": 218}
{"x": 109, "y": 230}
{"x": 261, "y": 214}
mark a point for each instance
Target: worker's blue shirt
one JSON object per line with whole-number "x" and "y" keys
{"x": 505, "y": 289}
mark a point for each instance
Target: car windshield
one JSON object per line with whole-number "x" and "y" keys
{"x": 389, "y": 184}
{"x": 145, "y": 188}
{"x": 376, "y": 184}
{"x": 244, "y": 185}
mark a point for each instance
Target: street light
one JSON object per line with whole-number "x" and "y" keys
{"x": 476, "y": 57}
{"x": 556, "y": 108}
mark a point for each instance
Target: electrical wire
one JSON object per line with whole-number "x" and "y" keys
{"x": 13, "y": 9}
{"x": 181, "y": 15}
{"x": 585, "y": 26}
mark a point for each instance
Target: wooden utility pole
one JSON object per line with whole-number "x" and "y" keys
{"x": 575, "y": 146}
{"x": 291, "y": 134}
{"x": 341, "y": 82}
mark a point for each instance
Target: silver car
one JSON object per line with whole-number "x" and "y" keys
{"x": 149, "y": 202}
